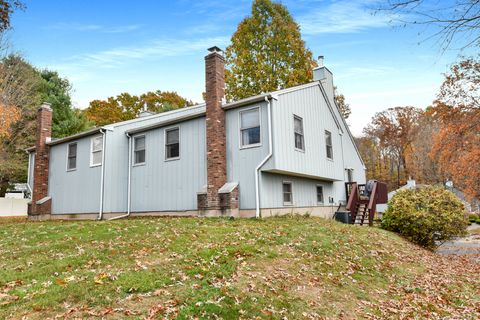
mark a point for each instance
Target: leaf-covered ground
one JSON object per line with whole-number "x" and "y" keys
{"x": 186, "y": 268}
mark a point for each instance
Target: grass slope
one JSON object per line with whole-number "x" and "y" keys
{"x": 294, "y": 268}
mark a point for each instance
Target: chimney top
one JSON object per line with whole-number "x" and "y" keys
{"x": 46, "y": 106}
{"x": 320, "y": 61}
{"x": 215, "y": 49}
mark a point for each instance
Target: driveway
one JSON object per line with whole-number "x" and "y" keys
{"x": 468, "y": 246}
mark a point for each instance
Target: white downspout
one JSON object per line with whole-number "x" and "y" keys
{"x": 129, "y": 180}
{"x": 102, "y": 178}
{"x": 269, "y": 155}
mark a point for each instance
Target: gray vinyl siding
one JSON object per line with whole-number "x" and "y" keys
{"x": 76, "y": 191}
{"x": 172, "y": 185}
{"x": 31, "y": 167}
{"x": 241, "y": 162}
{"x": 310, "y": 105}
{"x": 304, "y": 191}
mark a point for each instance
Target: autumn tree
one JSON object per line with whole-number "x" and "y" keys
{"x": 126, "y": 106}
{"x": 267, "y": 53}
{"x": 457, "y": 144}
{"x": 393, "y": 130}
{"x": 342, "y": 104}
{"x": 7, "y": 7}
{"x": 22, "y": 89}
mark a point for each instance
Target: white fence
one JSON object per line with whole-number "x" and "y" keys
{"x": 13, "y": 207}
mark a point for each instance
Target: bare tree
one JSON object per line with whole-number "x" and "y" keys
{"x": 452, "y": 20}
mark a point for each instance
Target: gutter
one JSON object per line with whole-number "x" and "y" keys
{"x": 102, "y": 177}
{"x": 129, "y": 180}
{"x": 269, "y": 155}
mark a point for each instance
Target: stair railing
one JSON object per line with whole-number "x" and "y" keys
{"x": 353, "y": 200}
{"x": 372, "y": 204}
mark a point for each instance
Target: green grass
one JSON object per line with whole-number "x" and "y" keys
{"x": 218, "y": 268}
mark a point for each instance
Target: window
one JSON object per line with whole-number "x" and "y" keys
{"x": 97, "y": 149}
{"x": 320, "y": 194}
{"x": 287, "y": 193}
{"x": 172, "y": 143}
{"x": 250, "y": 127}
{"x": 138, "y": 150}
{"x": 298, "y": 128}
{"x": 350, "y": 175}
{"x": 328, "y": 143}
{"x": 72, "y": 157}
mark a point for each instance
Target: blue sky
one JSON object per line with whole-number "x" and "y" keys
{"x": 108, "y": 47}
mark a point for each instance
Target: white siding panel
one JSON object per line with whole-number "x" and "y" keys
{"x": 241, "y": 163}
{"x": 76, "y": 191}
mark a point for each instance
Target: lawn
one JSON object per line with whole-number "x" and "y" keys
{"x": 187, "y": 268}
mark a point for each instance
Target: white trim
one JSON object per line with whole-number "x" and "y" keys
{"x": 295, "y": 133}
{"x": 165, "y": 143}
{"x": 323, "y": 194}
{"x": 92, "y": 165}
{"x": 254, "y": 145}
{"x": 133, "y": 150}
{"x": 287, "y": 204}
{"x": 68, "y": 156}
{"x": 331, "y": 143}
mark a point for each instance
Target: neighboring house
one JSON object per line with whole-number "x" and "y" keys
{"x": 275, "y": 153}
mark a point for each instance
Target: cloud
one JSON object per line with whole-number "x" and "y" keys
{"x": 93, "y": 27}
{"x": 120, "y": 56}
{"x": 342, "y": 17}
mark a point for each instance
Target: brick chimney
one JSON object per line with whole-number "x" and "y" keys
{"x": 41, "y": 203}
{"x": 215, "y": 123}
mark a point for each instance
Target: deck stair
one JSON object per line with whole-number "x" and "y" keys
{"x": 363, "y": 199}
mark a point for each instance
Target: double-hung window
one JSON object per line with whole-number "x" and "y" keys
{"x": 96, "y": 151}
{"x": 138, "y": 150}
{"x": 287, "y": 194}
{"x": 320, "y": 194}
{"x": 72, "y": 157}
{"x": 250, "y": 127}
{"x": 298, "y": 129}
{"x": 172, "y": 143}
{"x": 328, "y": 143}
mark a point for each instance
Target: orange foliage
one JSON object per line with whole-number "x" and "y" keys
{"x": 8, "y": 116}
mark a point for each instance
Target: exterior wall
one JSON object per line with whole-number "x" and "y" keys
{"x": 241, "y": 163}
{"x": 31, "y": 166}
{"x": 304, "y": 191}
{"x": 76, "y": 191}
{"x": 170, "y": 185}
{"x": 310, "y": 105}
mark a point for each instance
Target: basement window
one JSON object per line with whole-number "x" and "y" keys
{"x": 298, "y": 128}
{"x": 172, "y": 144}
{"x": 72, "y": 157}
{"x": 139, "y": 150}
{"x": 96, "y": 151}
{"x": 328, "y": 143}
{"x": 319, "y": 194}
{"x": 250, "y": 128}
{"x": 287, "y": 194}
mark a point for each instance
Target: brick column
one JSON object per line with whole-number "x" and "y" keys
{"x": 215, "y": 123}
{"x": 41, "y": 204}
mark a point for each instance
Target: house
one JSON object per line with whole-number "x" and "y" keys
{"x": 274, "y": 153}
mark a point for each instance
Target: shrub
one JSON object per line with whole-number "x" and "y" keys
{"x": 426, "y": 215}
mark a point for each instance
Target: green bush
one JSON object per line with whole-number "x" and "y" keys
{"x": 426, "y": 215}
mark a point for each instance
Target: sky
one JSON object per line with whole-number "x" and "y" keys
{"x": 108, "y": 47}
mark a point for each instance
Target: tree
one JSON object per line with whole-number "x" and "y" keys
{"x": 7, "y": 7}
{"x": 266, "y": 53}
{"x": 393, "y": 129}
{"x": 457, "y": 20}
{"x": 344, "y": 107}
{"x": 457, "y": 144}
{"x": 126, "y": 106}
{"x": 22, "y": 89}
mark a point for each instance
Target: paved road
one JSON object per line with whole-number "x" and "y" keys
{"x": 469, "y": 246}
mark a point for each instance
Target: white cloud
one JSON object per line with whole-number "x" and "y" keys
{"x": 342, "y": 17}
{"x": 117, "y": 57}
{"x": 93, "y": 27}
